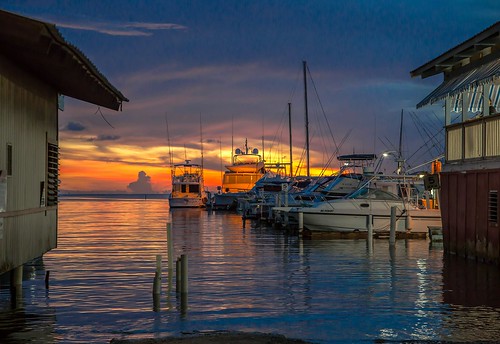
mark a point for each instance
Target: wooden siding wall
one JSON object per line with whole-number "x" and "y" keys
{"x": 28, "y": 119}
{"x": 475, "y": 139}
{"x": 466, "y": 229}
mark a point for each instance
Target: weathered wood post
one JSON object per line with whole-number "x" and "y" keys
{"x": 178, "y": 275}
{"x": 47, "y": 275}
{"x": 157, "y": 279}
{"x": 184, "y": 274}
{"x": 244, "y": 216}
{"x": 392, "y": 233}
{"x": 170, "y": 248}
{"x": 301, "y": 222}
{"x": 369, "y": 237}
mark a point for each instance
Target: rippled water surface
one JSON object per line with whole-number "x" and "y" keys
{"x": 246, "y": 279}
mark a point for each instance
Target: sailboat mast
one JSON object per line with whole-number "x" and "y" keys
{"x": 170, "y": 157}
{"x": 232, "y": 140}
{"x": 201, "y": 146}
{"x": 290, "y": 133}
{"x": 400, "y": 152}
{"x": 304, "y": 63}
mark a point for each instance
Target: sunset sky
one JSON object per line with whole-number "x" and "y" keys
{"x": 236, "y": 65}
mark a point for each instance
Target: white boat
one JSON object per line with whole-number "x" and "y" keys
{"x": 246, "y": 168}
{"x": 350, "y": 214}
{"x": 188, "y": 190}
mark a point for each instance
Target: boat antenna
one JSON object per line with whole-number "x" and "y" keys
{"x": 201, "y": 146}
{"x": 290, "y": 134}
{"x": 170, "y": 157}
{"x": 304, "y": 63}
{"x": 400, "y": 153}
{"x": 232, "y": 139}
{"x": 263, "y": 156}
{"x": 220, "y": 155}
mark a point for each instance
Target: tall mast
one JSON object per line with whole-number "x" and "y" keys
{"x": 170, "y": 157}
{"x": 304, "y": 63}
{"x": 290, "y": 132}
{"x": 263, "y": 152}
{"x": 201, "y": 146}
{"x": 232, "y": 140}
{"x": 400, "y": 152}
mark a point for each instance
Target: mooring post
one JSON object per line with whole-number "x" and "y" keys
{"x": 157, "y": 280}
{"x": 301, "y": 222}
{"x": 184, "y": 274}
{"x": 369, "y": 237}
{"x": 244, "y": 216}
{"x": 178, "y": 275}
{"x": 392, "y": 233}
{"x": 170, "y": 248}
{"x": 47, "y": 274}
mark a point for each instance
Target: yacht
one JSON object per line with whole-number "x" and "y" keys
{"x": 187, "y": 186}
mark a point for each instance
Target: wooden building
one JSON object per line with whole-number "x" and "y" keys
{"x": 36, "y": 66}
{"x": 470, "y": 179}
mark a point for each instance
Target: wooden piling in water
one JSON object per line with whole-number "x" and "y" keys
{"x": 170, "y": 248}
{"x": 178, "y": 274}
{"x": 184, "y": 274}
{"x": 369, "y": 236}
{"x": 157, "y": 279}
{"x": 392, "y": 233}
{"x": 301, "y": 222}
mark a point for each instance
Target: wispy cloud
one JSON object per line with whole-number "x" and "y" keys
{"x": 121, "y": 29}
{"x": 74, "y": 126}
{"x": 103, "y": 138}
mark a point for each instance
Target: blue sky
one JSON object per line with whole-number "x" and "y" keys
{"x": 240, "y": 62}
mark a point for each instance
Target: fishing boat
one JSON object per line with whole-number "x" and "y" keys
{"x": 188, "y": 190}
{"x": 246, "y": 168}
{"x": 351, "y": 213}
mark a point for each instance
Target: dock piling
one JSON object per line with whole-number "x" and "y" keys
{"x": 392, "y": 233}
{"x": 184, "y": 274}
{"x": 157, "y": 279}
{"x": 170, "y": 248}
{"x": 369, "y": 237}
{"x": 301, "y": 222}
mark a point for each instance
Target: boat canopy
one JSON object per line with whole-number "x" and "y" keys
{"x": 350, "y": 157}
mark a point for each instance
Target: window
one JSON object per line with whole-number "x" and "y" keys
{"x": 194, "y": 188}
{"x": 52, "y": 174}
{"x": 9, "y": 159}
{"x": 493, "y": 206}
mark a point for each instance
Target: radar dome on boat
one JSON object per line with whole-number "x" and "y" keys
{"x": 237, "y": 151}
{"x": 255, "y": 151}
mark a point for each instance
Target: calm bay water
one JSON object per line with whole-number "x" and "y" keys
{"x": 244, "y": 279}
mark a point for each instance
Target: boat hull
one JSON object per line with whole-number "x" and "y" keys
{"x": 356, "y": 219}
{"x": 186, "y": 202}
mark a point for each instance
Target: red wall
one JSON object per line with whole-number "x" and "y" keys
{"x": 464, "y": 208}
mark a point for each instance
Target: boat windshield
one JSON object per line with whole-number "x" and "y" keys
{"x": 374, "y": 194}
{"x": 246, "y": 159}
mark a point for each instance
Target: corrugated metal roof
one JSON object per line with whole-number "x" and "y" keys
{"x": 480, "y": 75}
{"x": 454, "y": 56}
{"x": 39, "y": 48}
